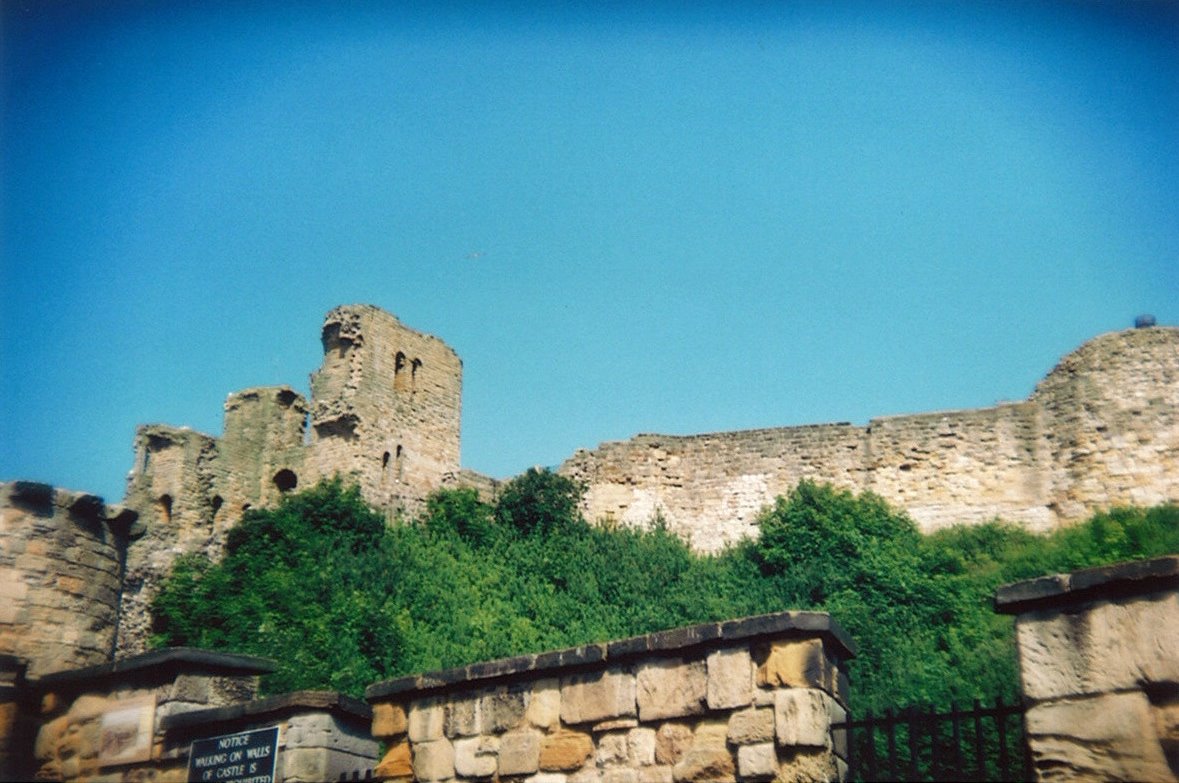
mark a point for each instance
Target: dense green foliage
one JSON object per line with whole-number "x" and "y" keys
{"x": 341, "y": 600}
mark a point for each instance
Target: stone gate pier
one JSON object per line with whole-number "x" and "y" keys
{"x": 751, "y": 699}
{"x": 1099, "y": 665}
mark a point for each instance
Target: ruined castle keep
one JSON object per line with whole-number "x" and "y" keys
{"x": 384, "y": 414}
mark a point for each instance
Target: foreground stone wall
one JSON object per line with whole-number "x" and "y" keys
{"x": 750, "y": 699}
{"x": 106, "y": 720}
{"x": 322, "y": 735}
{"x": 1101, "y": 430}
{"x": 61, "y": 569}
{"x": 1099, "y": 667}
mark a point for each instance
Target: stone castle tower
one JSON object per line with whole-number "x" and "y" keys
{"x": 384, "y": 414}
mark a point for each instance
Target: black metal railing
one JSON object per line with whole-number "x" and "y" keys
{"x": 912, "y": 744}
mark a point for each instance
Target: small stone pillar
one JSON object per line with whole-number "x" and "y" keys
{"x": 104, "y": 721}
{"x": 749, "y": 700}
{"x": 1099, "y": 665}
{"x": 322, "y": 735}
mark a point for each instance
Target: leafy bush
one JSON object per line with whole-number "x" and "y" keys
{"x": 340, "y": 599}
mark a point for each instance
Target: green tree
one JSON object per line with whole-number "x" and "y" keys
{"x": 539, "y": 502}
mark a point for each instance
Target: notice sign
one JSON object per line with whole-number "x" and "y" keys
{"x": 247, "y": 757}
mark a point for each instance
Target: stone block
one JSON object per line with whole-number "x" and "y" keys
{"x": 589, "y": 698}
{"x": 672, "y": 741}
{"x": 547, "y": 777}
{"x": 1107, "y": 737}
{"x": 475, "y": 757}
{"x": 503, "y": 708}
{"x": 397, "y": 763}
{"x": 730, "y": 679}
{"x": 565, "y": 750}
{"x": 389, "y": 720}
{"x": 802, "y": 765}
{"x": 612, "y": 750}
{"x": 544, "y": 706}
{"x": 655, "y": 774}
{"x": 433, "y": 759}
{"x": 751, "y": 726}
{"x": 519, "y": 753}
{"x": 587, "y": 774}
{"x": 671, "y": 689}
{"x": 464, "y": 717}
{"x": 802, "y": 717}
{"x": 192, "y": 688}
{"x": 614, "y": 725}
{"x": 620, "y": 775}
{"x": 1111, "y": 646}
{"x": 757, "y": 762}
{"x": 800, "y": 663}
{"x": 640, "y": 744}
{"x": 427, "y": 720}
{"x": 707, "y": 764}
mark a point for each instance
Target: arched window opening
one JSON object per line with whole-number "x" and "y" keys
{"x": 401, "y": 379}
{"x": 245, "y": 507}
{"x": 165, "y": 505}
{"x": 385, "y": 467}
{"x": 285, "y": 480}
{"x": 218, "y": 501}
{"x": 399, "y": 467}
{"x": 413, "y": 374}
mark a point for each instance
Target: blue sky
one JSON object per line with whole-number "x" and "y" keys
{"x": 627, "y": 218}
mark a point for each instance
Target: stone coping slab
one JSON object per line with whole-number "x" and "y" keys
{"x": 676, "y": 639}
{"x": 271, "y": 708}
{"x": 1113, "y": 581}
{"x": 166, "y": 660}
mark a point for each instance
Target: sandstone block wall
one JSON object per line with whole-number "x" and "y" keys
{"x": 1102, "y": 429}
{"x": 61, "y": 571}
{"x": 105, "y": 722}
{"x": 322, "y": 735}
{"x": 1099, "y": 668}
{"x": 750, "y": 699}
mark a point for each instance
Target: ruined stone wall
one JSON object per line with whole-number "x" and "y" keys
{"x": 173, "y": 486}
{"x": 386, "y": 407}
{"x": 1111, "y": 422}
{"x": 709, "y": 488}
{"x": 1102, "y": 429}
{"x": 752, "y": 700}
{"x": 964, "y": 466}
{"x": 385, "y": 413}
{"x": 1099, "y": 670}
{"x": 61, "y": 570}
{"x": 261, "y": 453}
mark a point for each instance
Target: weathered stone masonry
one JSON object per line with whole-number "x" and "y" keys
{"x": 751, "y": 700}
{"x": 1099, "y": 670}
{"x": 1101, "y": 430}
{"x": 384, "y": 413}
{"x": 385, "y": 409}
